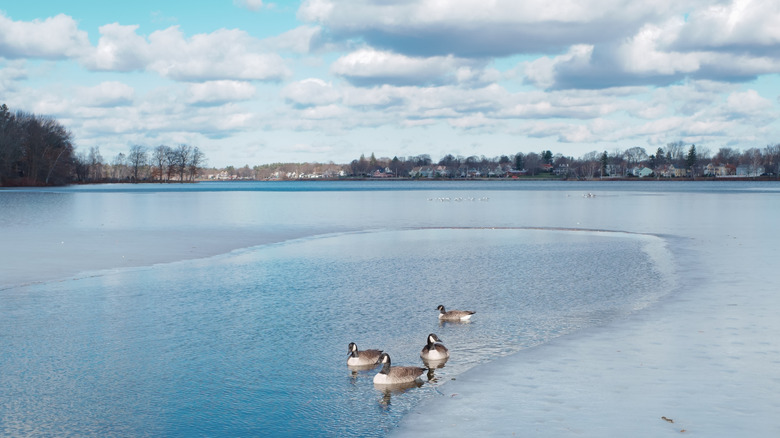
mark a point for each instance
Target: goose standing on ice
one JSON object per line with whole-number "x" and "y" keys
{"x": 454, "y": 315}
{"x": 390, "y": 375}
{"x": 434, "y": 350}
{"x": 362, "y": 358}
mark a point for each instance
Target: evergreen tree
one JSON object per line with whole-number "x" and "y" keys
{"x": 519, "y": 161}
{"x": 690, "y": 159}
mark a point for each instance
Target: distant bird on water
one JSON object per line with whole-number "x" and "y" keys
{"x": 434, "y": 350}
{"x": 390, "y": 375}
{"x": 454, "y": 315}
{"x": 362, "y": 358}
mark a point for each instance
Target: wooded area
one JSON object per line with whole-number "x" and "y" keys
{"x": 38, "y": 150}
{"x": 34, "y": 150}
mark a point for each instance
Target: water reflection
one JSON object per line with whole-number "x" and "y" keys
{"x": 360, "y": 370}
{"x": 388, "y": 391}
{"x": 443, "y": 323}
{"x": 434, "y": 365}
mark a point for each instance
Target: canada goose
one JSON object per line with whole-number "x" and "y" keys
{"x": 434, "y": 350}
{"x": 454, "y": 315}
{"x": 390, "y": 375}
{"x": 362, "y": 358}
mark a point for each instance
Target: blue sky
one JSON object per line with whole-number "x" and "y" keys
{"x": 255, "y": 82}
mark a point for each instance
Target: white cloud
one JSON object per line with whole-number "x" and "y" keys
{"x": 740, "y": 24}
{"x": 369, "y": 66}
{"x": 472, "y": 121}
{"x": 107, "y": 94}
{"x": 310, "y": 92}
{"x": 220, "y": 55}
{"x": 383, "y": 96}
{"x": 323, "y": 112}
{"x": 479, "y": 28}
{"x": 646, "y": 52}
{"x": 11, "y": 73}
{"x": 219, "y": 92}
{"x": 298, "y": 40}
{"x": 119, "y": 49}
{"x": 749, "y": 104}
{"x": 592, "y": 44}
{"x": 542, "y": 71}
{"x": 53, "y": 38}
{"x": 223, "y": 54}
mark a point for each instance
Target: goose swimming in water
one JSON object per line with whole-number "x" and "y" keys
{"x": 454, "y": 315}
{"x": 390, "y": 375}
{"x": 434, "y": 350}
{"x": 362, "y": 358}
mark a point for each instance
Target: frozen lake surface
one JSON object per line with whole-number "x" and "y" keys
{"x": 596, "y": 316}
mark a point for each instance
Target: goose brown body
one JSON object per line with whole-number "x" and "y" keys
{"x": 454, "y": 315}
{"x": 359, "y": 358}
{"x": 434, "y": 350}
{"x": 390, "y": 375}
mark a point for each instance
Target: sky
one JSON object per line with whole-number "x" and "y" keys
{"x": 256, "y": 82}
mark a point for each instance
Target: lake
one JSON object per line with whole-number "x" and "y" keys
{"x": 226, "y": 308}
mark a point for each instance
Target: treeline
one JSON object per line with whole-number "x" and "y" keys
{"x": 34, "y": 150}
{"x": 38, "y": 150}
{"x": 680, "y": 155}
{"x": 676, "y": 159}
{"x": 163, "y": 163}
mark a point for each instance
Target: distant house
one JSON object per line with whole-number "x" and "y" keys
{"x": 612, "y": 170}
{"x": 719, "y": 170}
{"x": 381, "y": 174}
{"x": 642, "y": 171}
{"x": 674, "y": 172}
{"x": 562, "y": 169}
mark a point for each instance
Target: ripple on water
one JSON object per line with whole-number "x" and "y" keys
{"x": 256, "y": 342}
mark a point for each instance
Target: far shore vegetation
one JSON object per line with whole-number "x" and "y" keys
{"x": 38, "y": 151}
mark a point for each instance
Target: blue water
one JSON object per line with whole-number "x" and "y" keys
{"x": 254, "y": 342}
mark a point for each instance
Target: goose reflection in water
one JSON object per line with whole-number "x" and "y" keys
{"x": 388, "y": 391}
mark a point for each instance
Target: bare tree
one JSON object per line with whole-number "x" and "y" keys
{"x": 197, "y": 160}
{"x": 772, "y": 159}
{"x": 96, "y": 164}
{"x": 533, "y": 163}
{"x": 160, "y": 157}
{"x": 635, "y": 155}
{"x": 137, "y": 159}
{"x": 119, "y": 170}
{"x": 181, "y": 159}
{"x": 676, "y": 152}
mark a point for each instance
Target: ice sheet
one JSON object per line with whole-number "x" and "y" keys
{"x": 35, "y": 256}
{"x": 705, "y": 361}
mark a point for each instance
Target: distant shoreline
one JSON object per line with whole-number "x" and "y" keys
{"x": 519, "y": 180}
{"x": 697, "y": 179}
